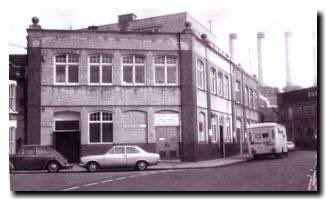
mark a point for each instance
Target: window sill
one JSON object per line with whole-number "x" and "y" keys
{"x": 13, "y": 112}
{"x": 66, "y": 84}
{"x": 94, "y": 143}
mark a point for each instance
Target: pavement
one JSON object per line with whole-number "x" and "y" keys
{"x": 177, "y": 164}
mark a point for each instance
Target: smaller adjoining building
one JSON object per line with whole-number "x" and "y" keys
{"x": 17, "y": 105}
{"x": 298, "y": 112}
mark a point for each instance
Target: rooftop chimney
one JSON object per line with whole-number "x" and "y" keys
{"x": 35, "y": 21}
{"x": 260, "y": 39}
{"x": 124, "y": 21}
{"x": 233, "y": 46}
{"x": 288, "y": 36}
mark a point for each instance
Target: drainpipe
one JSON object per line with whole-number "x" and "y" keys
{"x": 244, "y": 114}
{"x": 181, "y": 147}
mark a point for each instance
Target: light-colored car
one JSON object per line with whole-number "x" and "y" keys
{"x": 291, "y": 146}
{"x": 120, "y": 157}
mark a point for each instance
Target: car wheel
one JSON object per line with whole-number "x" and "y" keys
{"x": 53, "y": 166}
{"x": 141, "y": 165}
{"x": 92, "y": 167}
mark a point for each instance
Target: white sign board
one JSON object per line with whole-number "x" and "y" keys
{"x": 166, "y": 119}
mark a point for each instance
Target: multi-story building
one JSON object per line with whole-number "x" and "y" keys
{"x": 17, "y": 99}
{"x": 298, "y": 112}
{"x": 159, "y": 82}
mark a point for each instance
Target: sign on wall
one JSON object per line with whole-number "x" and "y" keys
{"x": 166, "y": 119}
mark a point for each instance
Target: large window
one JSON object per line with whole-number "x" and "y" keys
{"x": 254, "y": 99}
{"x": 213, "y": 81}
{"x": 226, "y": 85}
{"x": 12, "y": 97}
{"x": 237, "y": 92}
{"x": 251, "y": 100}
{"x": 228, "y": 130}
{"x": 246, "y": 96}
{"x": 202, "y": 137}
{"x": 166, "y": 70}
{"x": 220, "y": 84}
{"x": 214, "y": 128}
{"x": 100, "y": 127}
{"x": 66, "y": 69}
{"x": 133, "y": 70}
{"x": 200, "y": 75}
{"x": 12, "y": 140}
{"x": 100, "y": 69}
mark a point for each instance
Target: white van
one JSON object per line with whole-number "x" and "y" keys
{"x": 267, "y": 139}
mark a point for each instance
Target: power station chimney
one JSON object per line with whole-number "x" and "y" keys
{"x": 233, "y": 46}
{"x": 288, "y": 36}
{"x": 260, "y": 39}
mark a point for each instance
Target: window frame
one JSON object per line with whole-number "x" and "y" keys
{"x": 67, "y": 65}
{"x": 200, "y": 72}
{"x": 101, "y": 122}
{"x": 101, "y": 66}
{"x": 12, "y": 97}
{"x": 133, "y": 65}
{"x": 213, "y": 81}
{"x": 238, "y": 91}
{"x": 205, "y": 141}
{"x": 220, "y": 81}
{"x": 166, "y": 66}
{"x": 215, "y": 134}
{"x": 226, "y": 86}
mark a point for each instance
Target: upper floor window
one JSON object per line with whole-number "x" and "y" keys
{"x": 100, "y": 69}
{"x": 214, "y": 128}
{"x": 100, "y": 127}
{"x": 213, "y": 81}
{"x": 133, "y": 70}
{"x": 226, "y": 85}
{"x": 220, "y": 84}
{"x": 254, "y": 99}
{"x": 200, "y": 75}
{"x": 12, "y": 97}
{"x": 246, "y": 96}
{"x": 166, "y": 70}
{"x": 251, "y": 100}
{"x": 66, "y": 69}
{"x": 237, "y": 92}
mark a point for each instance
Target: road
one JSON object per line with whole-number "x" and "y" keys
{"x": 271, "y": 174}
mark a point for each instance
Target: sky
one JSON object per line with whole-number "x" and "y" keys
{"x": 246, "y": 23}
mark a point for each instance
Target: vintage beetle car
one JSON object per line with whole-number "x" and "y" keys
{"x": 120, "y": 157}
{"x": 36, "y": 157}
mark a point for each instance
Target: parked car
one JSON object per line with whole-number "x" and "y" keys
{"x": 36, "y": 157}
{"x": 120, "y": 157}
{"x": 291, "y": 146}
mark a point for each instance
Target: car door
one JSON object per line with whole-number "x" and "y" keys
{"x": 42, "y": 156}
{"x": 116, "y": 157}
{"x": 133, "y": 155}
{"x": 25, "y": 159}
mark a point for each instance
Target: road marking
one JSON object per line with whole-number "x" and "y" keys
{"x": 120, "y": 178}
{"x": 72, "y": 188}
{"x": 132, "y": 176}
{"x": 90, "y": 184}
{"x": 105, "y": 181}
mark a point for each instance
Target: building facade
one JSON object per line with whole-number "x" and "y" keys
{"x": 160, "y": 83}
{"x": 298, "y": 111}
{"x": 17, "y": 99}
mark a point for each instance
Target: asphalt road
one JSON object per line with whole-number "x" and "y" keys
{"x": 281, "y": 174}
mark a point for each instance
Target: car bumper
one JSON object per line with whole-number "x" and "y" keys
{"x": 68, "y": 166}
{"x": 83, "y": 165}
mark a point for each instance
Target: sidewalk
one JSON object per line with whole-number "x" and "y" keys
{"x": 176, "y": 164}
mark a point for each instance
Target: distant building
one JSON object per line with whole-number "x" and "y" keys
{"x": 17, "y": 99}
{"x": 298, "y": 112}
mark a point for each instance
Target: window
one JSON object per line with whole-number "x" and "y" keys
{"x": 133, "y": 70}
{"x": 100, "y": 69}
{"x": 166, "y": 70}
{"x": 220, "y": 84}
{"x": 228, "y": 130}
{"x": 213, "y": 81}
{"x": 42, "y": 151}
{"x": 254, "y": 99}
{"x": 200, "y": 75}
{"x": 265, "y": 135}
{"x": 12, "y": 97}
{"x": 100, "y": 127}
{"x": 290, "y": 113}
{"x": 12, "y": 139}
{"x": 246, "y": 100}
{"x": 214, "y": 129}
{"x": 202, "y": 138}
{"x": 66, "y": 69}
{"x": 237, "y": 92}
{"x": 132, "y": 150}
{"x": 251, "y": 98}
{"x": 227, "y": 85}
{"x": 27, "y": 151}
{"x": 66, "y": 125}
{"x": 118, "y": 150}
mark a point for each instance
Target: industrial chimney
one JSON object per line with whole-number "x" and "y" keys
{"x": 260, "y": 39}
{"x": 233, "y": 46}
{"x": 288, "y": 36}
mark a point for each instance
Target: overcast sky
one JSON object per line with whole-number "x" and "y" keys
{"x": 243, "y": 22}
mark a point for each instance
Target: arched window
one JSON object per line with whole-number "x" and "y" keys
{"x": 133, "y": 67}
{"x": 226, "y": 86}
{"x": 220, "y": 84}
{"x": 66, "y": 69}
{"x": 214, "y": 128}
{"x": 228, "y": 130}
{"x": 100, "y": 127}
{"x": 202, "y": 138}
{"x": 200, "y": 75}
{"x": 251, "y": 96}
{"x": 237, "y": 92}
{"x": 100, "y": 69}
{"x": 213, "y": 81}
{"x": 246, "y": 96}
{"x": 166, "y": 70}
{"x": 12, "y": 96}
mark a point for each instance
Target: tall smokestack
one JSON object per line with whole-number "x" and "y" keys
{"x": 233, "y": 46}
{"x": 288, "y": 36}
{"x": 260, "y": 39}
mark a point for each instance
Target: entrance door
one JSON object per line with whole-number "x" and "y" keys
{"x": 67, "y": 143}
{"x": 167, "y": 141}
{"x": 222, "y": 141}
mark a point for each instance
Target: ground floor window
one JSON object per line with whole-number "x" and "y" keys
{"x": 214, "y": 129}
{"x": 12, "y": 139}
{"x": 228, "y": 130}
{"x": 100, "y": 127}
{"x": 202, "y": 128}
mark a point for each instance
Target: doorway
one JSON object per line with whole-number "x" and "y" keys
{"x": 167, "y": 141}
{"x": 221, "y": 142}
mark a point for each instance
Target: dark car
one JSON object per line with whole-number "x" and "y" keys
{"x": 35, "y": 157}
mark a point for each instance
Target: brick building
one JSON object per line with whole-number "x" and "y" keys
{"x": 298, "y": 112}
{"x": 17, "y": 99}
{"x": 159, "y": 82}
